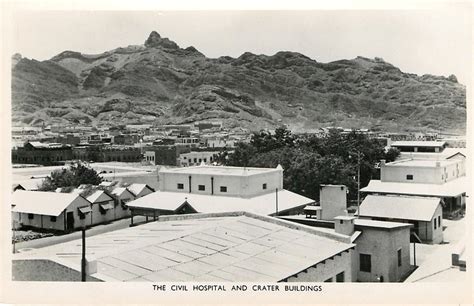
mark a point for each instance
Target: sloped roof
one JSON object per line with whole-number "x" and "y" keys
{"x": 231, "y": 247}
{"x": 399, "y": 207}
{"x": 452, "y": 188}
{"x": 135, "y": 188}
{"x": 263, "y": 204}
{"x": 41, "y": 202}
{"x": 31, "y": 184}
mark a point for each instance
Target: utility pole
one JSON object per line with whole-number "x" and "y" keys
{"x": 83, "y": 260}
{"x": 276, "y": 202}
{"x": 358, "y": 183}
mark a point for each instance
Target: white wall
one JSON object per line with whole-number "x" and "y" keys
{"x": 333, "y": 201}
{"x": 241, "y": 186}
{"x": 383, "y": 245}
{"x": 427, "y": 175}
{"x": 329, "y": 269}
{"x": 60, "y": 220}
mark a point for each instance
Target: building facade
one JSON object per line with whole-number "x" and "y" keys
{"x": 225, "y": 181}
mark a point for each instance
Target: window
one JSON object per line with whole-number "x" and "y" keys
{"x": 399, "y": 255}
{"x": 340, "y": 222}
{"x": 195, "y": 160}
{"x": 365, "y": 263}
{"x": 223, "y": 188}
{"x": 201, "y": 187}
{"x": 264, "y": 186}
{"x": 410, "y": 177}
{"x": 180, "y": 186}
{"x": 435, "y": 227}
{"x": 53, "y": 218}
{"x": 439, "y": 221}
{"x": 31, "y": 216}
{"x": 340, "y": 277}
{"x": 82, "y": 216}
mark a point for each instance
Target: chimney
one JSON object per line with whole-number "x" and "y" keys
{"x": 344, "y": 225}
{"x": 333, "y": 200}
{"x": 382, "y": 162}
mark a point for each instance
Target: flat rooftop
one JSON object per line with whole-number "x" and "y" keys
{"x": 218, "y": 170}
{"x": 422, "y": 163}
{"x": 417, "y": 143}
{"x": 227, "y": 247}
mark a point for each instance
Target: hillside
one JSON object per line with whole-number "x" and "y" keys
{"x": 159, "y": 82}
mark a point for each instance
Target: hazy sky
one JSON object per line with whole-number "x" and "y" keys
{"x": 418, "y": 41}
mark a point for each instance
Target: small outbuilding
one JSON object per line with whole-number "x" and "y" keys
{"x": 425, "y": 213}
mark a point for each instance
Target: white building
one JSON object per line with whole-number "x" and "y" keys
{"x": 445, "y": 179}
{"x": 226, "y": 247}
{"x": 425, "y": 213}
{"x": 51, "y": 210}
{"x": 209, "y": 189}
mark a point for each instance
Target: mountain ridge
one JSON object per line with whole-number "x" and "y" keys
{"x": 160, "y": 82}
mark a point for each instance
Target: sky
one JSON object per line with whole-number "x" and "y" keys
{"x": 434, "y": 41}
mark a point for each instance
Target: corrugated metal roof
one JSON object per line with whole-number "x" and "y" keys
{"x": 452, "y": 188}
{"x": 399, "y": 207}
{"x": 226, "y": 248}
{"x": 264, "y": 204}
{"x": 41, "y": 202}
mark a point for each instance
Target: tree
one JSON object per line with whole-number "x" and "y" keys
{"x": 309, "y": 160}
{"x": 74, "y": 176}
{"x": 392, "y": 154}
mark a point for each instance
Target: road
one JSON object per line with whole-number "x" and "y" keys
{"x": 98, "y": 229}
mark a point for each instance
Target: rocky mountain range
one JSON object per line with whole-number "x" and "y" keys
{"x": 161, "y": 83}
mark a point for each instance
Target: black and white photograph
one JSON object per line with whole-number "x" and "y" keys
{"x": 253, "y": 151}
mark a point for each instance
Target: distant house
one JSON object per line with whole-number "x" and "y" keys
{"x": 139, "y": 190}
{"x": 425, "y": 213}
{"x": 35, "y": 152}
{"x": 51, "y": 210}
{"x": 419, "y": 146}
{"x": 16, "y": 187}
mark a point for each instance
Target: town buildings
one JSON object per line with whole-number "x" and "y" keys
{"x": 445, "y": 179}
{"x": 39, "y": 153}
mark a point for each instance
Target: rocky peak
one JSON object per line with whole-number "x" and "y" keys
{"x": 155, "y": 40}
{"x": 15, "y": 59}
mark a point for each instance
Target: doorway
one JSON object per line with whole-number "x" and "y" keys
{"x": 70, "y": 221}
